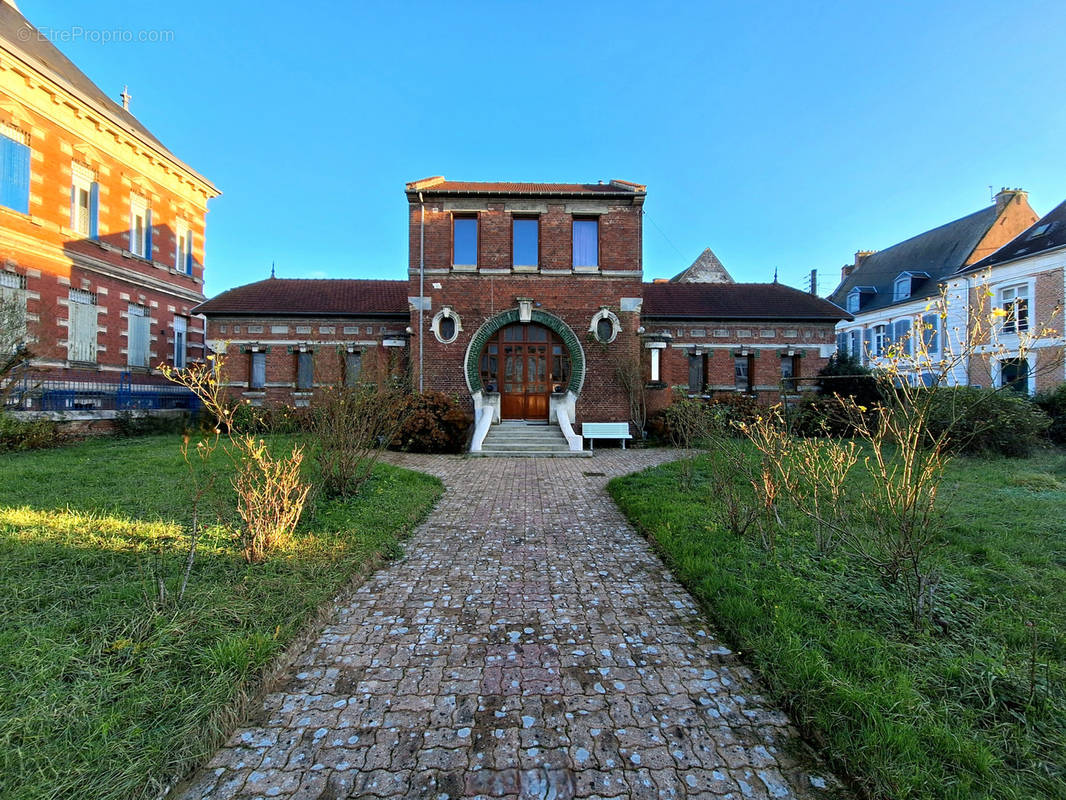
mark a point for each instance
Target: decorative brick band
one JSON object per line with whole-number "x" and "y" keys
{"x": 549, "y": 321}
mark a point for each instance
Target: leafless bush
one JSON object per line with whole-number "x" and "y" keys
{"x": 352, "y": 427}
{"x": 270, "y": 495}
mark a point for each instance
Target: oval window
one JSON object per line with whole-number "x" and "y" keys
{"x": 447, "y": 328}
{"x": 604, "y": 330}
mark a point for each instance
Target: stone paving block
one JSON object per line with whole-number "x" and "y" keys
{"x": 529, "y": 644}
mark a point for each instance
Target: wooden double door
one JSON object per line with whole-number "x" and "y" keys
{"x": 525, "y": 363}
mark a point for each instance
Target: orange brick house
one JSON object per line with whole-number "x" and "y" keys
{"x": 524, "y": 301}
{"x": 101, "y": 226}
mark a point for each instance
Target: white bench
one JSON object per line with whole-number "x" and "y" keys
{"x": 605, "y": 430}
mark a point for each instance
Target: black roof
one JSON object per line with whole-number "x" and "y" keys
{"x": 21, "y": 38}
{"x": 939, "y": 253}
{"x": 1047, "y": 233}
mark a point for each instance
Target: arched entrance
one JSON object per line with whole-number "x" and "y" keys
{"x": 553, "y": 380}
{"x": 526, "y": 363}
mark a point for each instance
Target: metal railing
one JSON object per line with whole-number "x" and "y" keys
{"x": 40, "y": 392}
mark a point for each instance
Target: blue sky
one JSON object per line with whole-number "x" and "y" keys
{"x": 786, "y": 135}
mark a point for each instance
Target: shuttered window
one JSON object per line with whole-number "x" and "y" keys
{"x": 696, "y": 372}
{"x": 13, "y": 330}
{"x": 81, "y": 326}
{"x": 138, "y": 331}
{"x": 931, "y": 333}
{"x": 353, "y": 365}
{"x": 140, "y": 227}
{"x": 258, "y": 371}
{"x": 14, "y": 169}
{"x": 84, "y": 202}
{"x": 180, "y": 329}
{"x": 304, "y": 370}
{"x": 183, "y": 249}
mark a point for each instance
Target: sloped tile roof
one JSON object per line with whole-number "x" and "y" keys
{"x": 736, "y": 301}
{"x": 1047, "y": 233}
{"x": 438, "y": 185}
{"x": 306, "y": 296}
{"x": 938, "y": 252}
{"x": 705, "y": 269}
{"x": 23, "y": 39}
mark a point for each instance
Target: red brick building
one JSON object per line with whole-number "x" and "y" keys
{"x": 526, "y": 302}
{"x": 101, "y": 226}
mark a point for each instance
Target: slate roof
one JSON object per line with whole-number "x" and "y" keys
{"x": 439, "y": 186}
{"x": 312, "y": 297}
{"x": 705, "y": 269}
{"x": 730, "y": 301}
{"x": 939, "y": 252}
{"x": 20, "y": 37}
{"x": 1047, "y": 233}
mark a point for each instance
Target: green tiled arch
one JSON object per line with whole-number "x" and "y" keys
{"x": 550, "y": 321}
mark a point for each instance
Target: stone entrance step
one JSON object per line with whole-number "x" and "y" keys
{"x": 527, "y": 440}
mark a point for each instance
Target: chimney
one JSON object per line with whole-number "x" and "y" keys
{"x": 814, "y": 282}
{"x": 1005, "y": 195}
{"x": 862, "y": 255}
{"x": 846, "y": 270}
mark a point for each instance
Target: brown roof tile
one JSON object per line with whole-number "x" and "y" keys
{"x": 438, "y": 185}
{"x": 736, "y": 301}
{"x": 319, "y": 297}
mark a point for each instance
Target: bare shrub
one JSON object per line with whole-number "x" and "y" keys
{"x": 352, "y": 427}
{"x": 270, "y": 495}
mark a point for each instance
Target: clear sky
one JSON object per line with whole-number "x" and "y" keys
{"x": 780, "y": 134}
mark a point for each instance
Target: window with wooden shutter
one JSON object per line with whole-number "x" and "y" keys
{"x": 138, "y": 335}
{"x": 353, "y": 365}
{"x": 81, "y": 326}
{"x": 181, "y": 326}
{"x": 140, "y": 225}
{"x": 14, "y": 169}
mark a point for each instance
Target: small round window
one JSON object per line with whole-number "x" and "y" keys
{"x": 604, "y": 330}
{"x": 447, "y": 329}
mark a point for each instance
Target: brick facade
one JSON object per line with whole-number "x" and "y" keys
{"x": 71, "y": 129}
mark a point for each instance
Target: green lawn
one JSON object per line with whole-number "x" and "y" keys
{"x": 974, "y": 707}
{"x": 105, "y": 691}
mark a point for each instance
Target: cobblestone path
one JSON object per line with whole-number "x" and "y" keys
{"x": 530, "y": 644}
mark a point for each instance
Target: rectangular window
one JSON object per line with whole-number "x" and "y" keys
{"x": 789, "y": 373}
{"x": 138, "y": 335}
{"x": 13, "y": 327}
{"x": 181, "y": 327}
{"x": 742, "y": 373}
{"x": 304, "y": 369}
{"x": 880, "y": 340}
{"x": 183, "y": 248}
{"x": 696, "y": 372}
{"x": 84, "y": 202}
{"x": 14, "y": 169}
{"x": 525, "y": 241}
{"x": 353, "y": 365}
{"x": 81, "y": 327}
{"x": 1014, "y": 374}
{"x": 586, "y": 242}
{"x": 258, "y": 377}
{"x": 1014, "y": 300}
{"x": 464, "y": 241}
{"x": 140, "y": 227}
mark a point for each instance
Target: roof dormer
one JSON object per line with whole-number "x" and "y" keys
{"x": 859, "y": 297}
{"x": 906, "y": 283}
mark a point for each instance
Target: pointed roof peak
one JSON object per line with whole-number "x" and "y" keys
{"x": 705, "y": 269}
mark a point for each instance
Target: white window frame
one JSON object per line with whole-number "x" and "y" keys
{"x": 1030, "y": 371}
{"x": 138, "y": 335}
{"x": 447, "y": 312}
{"x": 610, "y": 316}
{"x": 901, "y": 289}
{"x": 182, "y": 247}
{"x": 181, "y": 333}
{"x": 139, "y": 238}
{"x": 880, "y": 338}
{"x": 82, "y": 327}
{"x": 81, "y": 182}
{"x": 13, "y": 292}
{"x": 1009, "y": 294}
